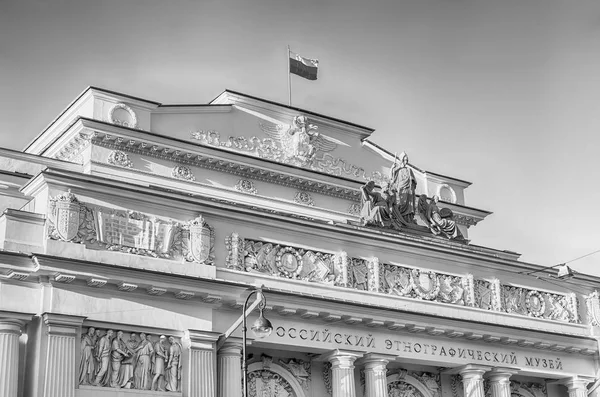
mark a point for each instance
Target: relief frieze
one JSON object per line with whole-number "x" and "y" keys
{"x": 129, "y": 231}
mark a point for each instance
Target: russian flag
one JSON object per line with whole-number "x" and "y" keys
{"x": 303, "y": 67}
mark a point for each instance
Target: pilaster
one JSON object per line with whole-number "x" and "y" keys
{"x": 11, "y": 325}
{"x": 201, "y": 379}
{"x": 230, "y": 368}
{"x": 499, "y": 381}
{"x": 342, "y": 372}
{"x": 60, "y": 376}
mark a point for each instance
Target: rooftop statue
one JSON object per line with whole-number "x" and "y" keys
{"x": 404, "y": 183}
{"x": 440, "y": 222}
{"x": 379, "y": 208}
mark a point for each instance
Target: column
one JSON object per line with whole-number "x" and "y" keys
{"x": 576, "y": 386}
{"x": 10, "y": 331}
{"x": 230, "y": 368}
{"x": 62, "y": 364}
{"x": 376, "y": 374}
{"x": 499, "y": 381}
{"x": 472, "y": 378}
{"x": 342, "y": 372}
{"x": 201, "y": 379}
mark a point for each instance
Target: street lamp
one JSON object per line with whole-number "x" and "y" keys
{"x": 261, "y": 329}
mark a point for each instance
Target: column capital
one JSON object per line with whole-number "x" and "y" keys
{"x": 231, "y": 347}
{"x": 203, "y": 340}
{"x": 473, "y": 371}
{"x": 575, "y": 382}
{"x": 341, "y": 358}
{"x": 499, "y": 374}
{"x": 371, "y": 359}
{"x": 62, "y": 324}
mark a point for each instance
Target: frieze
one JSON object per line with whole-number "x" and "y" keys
{"x": 294, "y": 153}
{"x": 370, "y": 275}
{"x": 183, "y": 172}
{"x": 137, "y": 361}
{"x": 129, "y": 231}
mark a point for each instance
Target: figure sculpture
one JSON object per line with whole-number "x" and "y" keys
{"x": 404, "y": 183}
{"x": 118, "y": 354}
{"x": 440, "y": 222}
{"x": 87, "y": 365}
{"x": 103, "y": 358}
{"x": 127, "y": 365}
{"x": 174, "y": 365}
{"x": 160, "y": 357}
{"x": 378, "y": 207}
{"x": 143, "y": 364}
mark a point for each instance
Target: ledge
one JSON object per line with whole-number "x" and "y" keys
{"x": 93, "y": 391}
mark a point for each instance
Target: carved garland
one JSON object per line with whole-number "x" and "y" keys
{"x": 289, "y": 262}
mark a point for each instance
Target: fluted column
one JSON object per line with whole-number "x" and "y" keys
{"x": 499, "y": 381}
{"x": 375, "y": 374}
{"x": 342, "y": 372}
{"x": 230, "y": 369}
{"x": 60, "y": 376}
{"x": 10, "y": 330}
{"x": 577, "y": 386}
{"x": 472, "y": 378}
{"x": 201, "y": 374}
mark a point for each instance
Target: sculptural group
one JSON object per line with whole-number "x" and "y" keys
{"x": 110, "y": 360}
{"x": 393, "y": 206}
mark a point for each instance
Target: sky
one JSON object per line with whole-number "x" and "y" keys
{"x": 502, "y": 93}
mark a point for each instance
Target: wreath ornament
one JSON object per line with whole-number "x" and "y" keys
{"x": 289, "y": 262}
{"x": 535, "y": 303}
{"x": 434, "y": 287}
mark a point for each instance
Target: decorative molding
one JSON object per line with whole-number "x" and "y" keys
{"x": 592, "y": 303}
{"x": 156, "y": 291}
{"x": 120, "y": 159}
{"x": 304, "y": 198}
{"x": 17, "y": 275}
{"x": 124, "y": 123}
{"x": 183, "y": 172}
{"x": 246, "y": 186}
{"x": 354, "y": 209}
{"x": 185, "y": 295}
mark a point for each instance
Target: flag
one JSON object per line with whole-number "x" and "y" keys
{"x": 303, "y": 67}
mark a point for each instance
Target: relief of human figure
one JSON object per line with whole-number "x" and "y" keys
{"x": 143, "y": 366}
{"x": 87, "y": 365}
{"x": 174, "y": 365}
{"x": 118, "y": 354}
{"x": 103, "y": 358}
{"x": 160, "y": 357}
{"x": 127, "y": 365}
{"x": 404, "y": 183}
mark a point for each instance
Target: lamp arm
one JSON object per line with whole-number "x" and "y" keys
{"x": 245, "y": 313}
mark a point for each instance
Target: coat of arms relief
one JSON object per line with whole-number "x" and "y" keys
{"x": 130, "y": 232}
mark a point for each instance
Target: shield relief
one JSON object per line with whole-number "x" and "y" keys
{"x": 66, "y": 218}
{"x": 201, "y": 242}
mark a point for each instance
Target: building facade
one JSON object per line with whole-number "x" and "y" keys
{"x": 133, "y": 231}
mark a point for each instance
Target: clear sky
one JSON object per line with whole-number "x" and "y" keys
{"x": 502, "y": 93}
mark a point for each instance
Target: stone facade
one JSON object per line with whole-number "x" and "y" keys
{"x": 126, "y": 256}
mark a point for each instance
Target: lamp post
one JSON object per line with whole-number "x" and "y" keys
{"x": 261, "y": 328}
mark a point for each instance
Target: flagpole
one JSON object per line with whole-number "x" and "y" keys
{"x": 289, "y": 77}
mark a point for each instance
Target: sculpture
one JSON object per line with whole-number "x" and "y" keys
{"x": 174, "y": 365}
{"x": 103, "y": 357}
{"x": 127, "y": 365}
{"x": 87, "y": 365}
{"x": 440, "y": 222}
{"x": 404, "y": 183}
{"x": 160, "y": 357}
{"x": 118, "y": 354}
{"x": 143, "y": 365}
{"x": 378, "y": 207}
